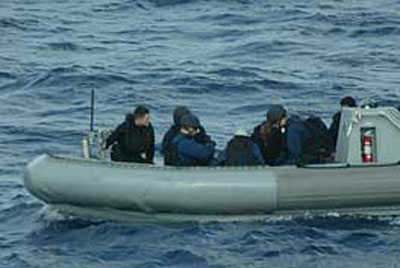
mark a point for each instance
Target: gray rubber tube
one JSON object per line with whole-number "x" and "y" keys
{"x": 148, "y": 189}
{"x": 338, "y": 188}
{"x": 233, "y": 191}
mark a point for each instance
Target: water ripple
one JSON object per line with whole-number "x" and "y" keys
{"x": 382, "y": 31}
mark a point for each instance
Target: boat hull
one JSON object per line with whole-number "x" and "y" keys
{"x": 210, "y": 191}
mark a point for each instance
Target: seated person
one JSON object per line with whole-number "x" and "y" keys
{"x": 186, "y": 151}
{"x": 133, "y": 140}
{"x": 200, "y": 137}
{"x": 269, "y": 137}
{"x": 323, "y": 147}
{"x": 299, "y": 139}
{"x": 334, "y": 127}
{"x": 242, "y": 151}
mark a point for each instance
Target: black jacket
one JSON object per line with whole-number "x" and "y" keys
{"x": 132, "y": 143}
{"x": 274, "y": 149}
{"x": 294, "y": 146}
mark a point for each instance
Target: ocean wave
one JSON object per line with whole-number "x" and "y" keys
{"x": 7, "y": 80}
{"x": 18, "y": 210}
{"x": 18, "y": 24}
{"x": 202, "y": 85}
{"x": 7, "y": 75}
{"x": 376, "y": 32}
{"x": 267, "y": 48}
{"x": 233, "y": 73}
{"x": 166, "y": 3}
{"x": 120, "y": 6}
{"x": 64, "y": 46}
{"x": 365, "y": 240}
{"x": 229, "y": 19}
{"x": 183, "y": 257}
{"x": 321, "y": 250}
{"x": 354, "y": 19}
{"x": 16, "y": 260}
{"x": 247, "y": 109}
{"x": 74, "y": 78}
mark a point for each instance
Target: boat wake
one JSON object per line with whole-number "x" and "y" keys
{"x": 62, "y": 213}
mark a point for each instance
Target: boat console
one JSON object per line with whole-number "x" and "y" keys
{"x": 369, "y": 135}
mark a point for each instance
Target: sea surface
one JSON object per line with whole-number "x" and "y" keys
{"x": 227, "y": 60}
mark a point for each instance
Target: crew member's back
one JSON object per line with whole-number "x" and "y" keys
{"x": 242, "y": 151}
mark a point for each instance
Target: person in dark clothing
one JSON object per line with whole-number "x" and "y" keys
{"x": 133, "y": 140}
{"x": 200, "y": 137}
{"x": 242, "y": 151}
{"x": 186, "y": 151}
{"x": 334, "y": 127}
{"x": 270, "y": 139}
{"x": 298, "y": 145}
{"x": 323, "y": 142}
{"x": 300, "y": 142}
{"x": 174, "y": 129}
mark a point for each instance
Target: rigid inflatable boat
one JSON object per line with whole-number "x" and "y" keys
{"x": 366, "y": 175}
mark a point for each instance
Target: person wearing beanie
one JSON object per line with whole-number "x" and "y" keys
{"x": 297, "y": 137}
{"x": 289, "y": 138}
{"x": 269, "y": 138}
{"x": 334, "y": 127}
{"x": 348, "y": 102}
{"x": 276, "y": 113}
{"x": 185, "y": 150}
{"x": 241, "y": 150}
{"x": 133, "y": 140}
{"x": 201, "y": 135}
{"x": 178, "y": 113}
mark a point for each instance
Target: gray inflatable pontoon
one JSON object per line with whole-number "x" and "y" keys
{"x": 356, "y": 183}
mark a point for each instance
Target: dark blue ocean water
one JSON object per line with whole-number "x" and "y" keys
{"x": 228, "y": 60}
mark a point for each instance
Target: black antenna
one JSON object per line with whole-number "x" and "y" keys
{"x": 92, "y": 110}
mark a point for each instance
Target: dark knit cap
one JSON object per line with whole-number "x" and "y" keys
{"x": 275, "y": 113}
{"x": 189, "y": 120}
{"x": 348, "y": 101}
{"x": 178, "y": 113}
